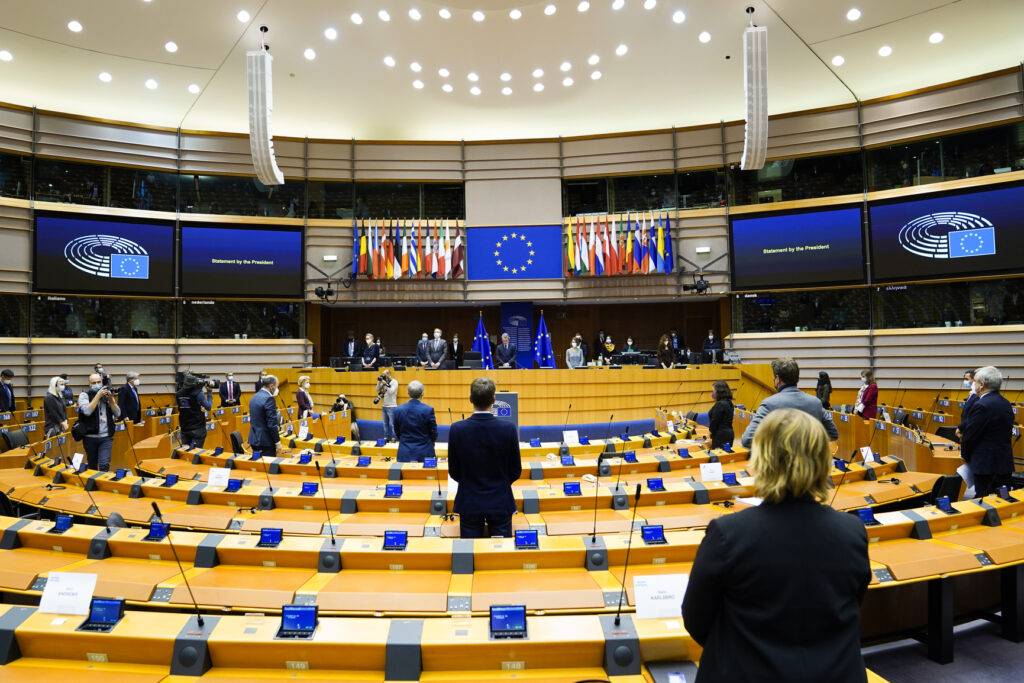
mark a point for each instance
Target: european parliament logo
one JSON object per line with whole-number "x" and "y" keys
{"x": 502, "y": 409}
{"x": 108, "y": 256}
{"x": 948, "y": 235}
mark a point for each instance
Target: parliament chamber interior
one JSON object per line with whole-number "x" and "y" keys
{"x": 460, "y": 342}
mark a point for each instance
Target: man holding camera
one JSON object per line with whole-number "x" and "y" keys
{"x": 97, "y": 411}
{"x": 193, "y": 405}
{"x": 387, "y": 390}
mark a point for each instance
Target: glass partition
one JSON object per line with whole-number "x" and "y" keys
{"x": 241, "y": 196}
{"x": 13, "y": 315}
{"x": 218, "y": 319}
{"x": 71, "y": 183}
{"x": 387, "y": 200}
{"x": 950, "y": 304}
{"x": 788, "y": 179}
{"x": 444, "y": 200}
{"x": 139, "y": 188}
{"x": 329, "y": 199}
{"x": 14, "y": 175}
{"x": 643, "y": 192}
{"x": 585, "y": 195}
{"x": 829, "y": 309}
{"x": 93, "y": 317}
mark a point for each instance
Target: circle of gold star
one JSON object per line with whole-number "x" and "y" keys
{"x": 505, "y": 239}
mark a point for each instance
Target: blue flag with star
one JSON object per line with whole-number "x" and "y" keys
{"x": 524, "y": 252}
{"x": 543, "y": 353}
{"x": 482, "y": 345}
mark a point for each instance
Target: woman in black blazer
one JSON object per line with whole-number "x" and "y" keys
{"x": 55, "y": 413}
{"x": 720, "y": 415}
{"x": 775, "y": 590}
{"x": 456, "y": 350}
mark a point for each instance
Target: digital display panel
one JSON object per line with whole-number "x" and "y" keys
{"x": 526, "y": 538}
{"x": 655, "y": 484}
{"x": 395, "y": 540}
{"x": 629, "y": 456}
{"x": 245, "y": 261}
{"x": 392, "y": 490}
{"x": 653, "y": 533}
{"x": 567, "y": 460}
{"x": 233, "y": 485}
{"x": 103, "y": 255}
{"x": 298, "y": 617}
{"x": 507, "y": 619}
{"x": 63, "y": 523}
{"x": 271, "y": 536}
{"x": 105, "y": 611}
{"x": 571, "y": 488}
{"x": 429, "y": 462}
{"x": 364, "y": 461}
{"x": 786, "y": 249}
{"x": 308, "y": 488}
{"x": 157, "y": 531}
{"x": 866, "y": 516}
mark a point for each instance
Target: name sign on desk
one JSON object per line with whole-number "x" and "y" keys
{"x": 31, "y": 413}
{"x": 879, "y": 425}
{"x": 67, "y": 593}
{"x": 659, "y": 596}
{"x": 571, "y": 436}
{"x": 219, "y": 476}
{"x": 867, "y": 454}
{"x": 303, "y": 430}
{"x": 32, "y": 428}
{"x": 670, "y": 425}
{"x": 843, "y": 417}
{"x": 210, "y": 426}
{"x": 896, "y": 430}
{"x": 168, "y": 411}
{"x": 5, "y": 417}
{"x": 941, "y": 419}
{"x": 711, "y": 471}
{"x": 119, "y": 427}
{"x": 918, "y": 415}
{"x": 245, "y": 419}
{"x": 219, "y": 411}
{"x": 165, "y": 420}
{"x": 150, "y": 413}
{"x": 944, "y": 403}
{"x": 331, "y": 417}
{"x": 1016, "y": 432}
{"x": 76, "y": 460}
{"x": 236, "y": 409}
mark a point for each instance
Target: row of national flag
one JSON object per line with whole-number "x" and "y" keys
{"x": 388, "y": 249}
{"x": 602, "y": 245}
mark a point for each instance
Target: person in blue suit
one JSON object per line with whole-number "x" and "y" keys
{"x": 415, "y": 426}
{"x": 264, "y": 419}
{"x": 969, "y": 403}
{"x": 128, "y": 398}
{"x": 505, "y": 353}
{"x": 483, "y": 457}
{"x": 986, "y": 444}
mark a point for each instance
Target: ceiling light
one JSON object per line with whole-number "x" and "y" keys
{"x": 550, "y": 9}
{"x": 704, "y": 37}
{"x": 537, "y": 73}
{"x": 650, "y": 4}
{"x": 194, "y": 89}
{"x": 171, "y": 46}
{"x": 415, "y": 66}
{"x": 595, "y": 75}
{"x": 443, "y": 73}
{"x": 838, "y": 60}
{"x": 104, "y": 76}
{"x": 567, "y": 81}
{"x": 583, "y": 6}
{"x": 473, "y": 77}
{"x": 242, "y": 16}
{"x": 444, "y": 13}
{"x": 884, "y": 51}
{"x": 356, "y": 18}
{"x": 384, "y": 16}
{"x": 679, "y": 16}
{"x": 506, "y": 90}
{"x": 506, "y": 77}
{"x": 74, "y": 26}
{"x": 331, "y": 33}
{"x": 447, "y": 87}
{"x": 621, "y": 50}
{"x": 151, "y": 84}
{"x": 935, "y": 38}
{"x": 618, "y": 4}
{"x": 389, "y": 61}
{"x": 853, "y": 14}
{"x": 478, "y": 16}
{"x": 594, "y": 59}
{"x": 565, "y": 66}
{"x": 515, "y": 14}
{"x": 537, "y": 87}
{"x": 414, "y": 14}
{"x": 309, "y": 53}
{"x": 474, "y": 90}
{"x": 418, "y": 84}
{"x": 5, "y": 56}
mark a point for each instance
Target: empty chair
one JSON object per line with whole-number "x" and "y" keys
{"x": 946, "y": 485}
{"x": 237, "y": 443}
{"x": 15, "y": 438}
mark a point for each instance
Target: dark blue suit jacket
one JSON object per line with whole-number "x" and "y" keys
{"x": 985, "y": 443}
{"x": 968, "y": 404}
{"x": 264, "y": 423}
{"x": 6, "y": 399}
{"x": 483, "y": 456}
{"x": 416, "y": 429}
{"x": 129, "y": 403}
{"x": 501, "y": 356}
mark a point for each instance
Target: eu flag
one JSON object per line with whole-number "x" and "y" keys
{"x": 130, "y": 266}
{"x": 482, "y": 345}
{"x": 519, "y": 252}
{"x": 543, "y": 353}
{"x": 979, "y": 242}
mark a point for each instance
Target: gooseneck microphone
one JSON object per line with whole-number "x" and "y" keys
{"x": 625, "y": 568}
{"x": 874, "y": 430}
{"x": 323, "y": 493}
{"x": 608, "y": 431}
{"x": 896, "y": 396}
{"x": 933, "y": 407}
{"x": 92, "y": 500}
{"x": 622, "y": 460}
{"x": 131, "y": 441}
{"x": 195, "y": 605}
{"x": 566, "y": 425}
{"x": 597, "y": 487}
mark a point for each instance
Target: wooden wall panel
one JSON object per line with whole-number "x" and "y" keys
{"x": 841, "y": 354}
{"x": 16, "y": 250}
{"x": 647, "y": 153}
{"x": 408, "y": 161}
{"x": 69, "y": 138}
{"x": 16, "y": 130}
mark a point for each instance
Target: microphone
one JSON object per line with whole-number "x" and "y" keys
{"x": 324, "y": 494}
{"x": 625, "y": 568}
{"x": 608, "y": 431}
{"x": 693, "y": 407}
{"x": 896, "y": 398}
{"x": 266, "y": 472}
{"x": 931, "y": 409}
{"x": 131, "y": 441}
{"x": 199, "y": 616}
{"x": 874, "y": 430}
{"x": 92, "y": 500}
{"x": 451, "y": 420}
{"x": 622, "y": 460}
{"x": 597, "y": 482}
{"x": 566, "y": 426}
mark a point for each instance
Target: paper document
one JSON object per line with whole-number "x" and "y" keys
{"x": 67, "y": 593}
{"x": 659, "y": 596}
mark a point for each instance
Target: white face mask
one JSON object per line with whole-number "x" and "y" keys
{"x": 60, "y": 387}
{"x": 136, "y": 382}
{"x": 967, "y": 384}
{"x": 864, "y": 380}
{"x": 574, "y": 345}
{"x": 437, "y": 335}
{"x": 275, "y": 391}
{"x": 711, "y": 336}
{"x": 231, "y": 378}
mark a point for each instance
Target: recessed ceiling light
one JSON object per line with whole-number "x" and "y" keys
{"x": 679, "y": 16}
{"x": 567, "y": 81}
{"x": 537, "y": 87}
{"x": 884, "y": 51}
{"x": 838, "y": 60}
{"x": 565, "y": 66}
{"x": 389, "y": 61}
{"x": 75, "y": 26}
{"x": 853, "y": 14}
{"x": 583, "y": 6}
{"x": 194, "y": 89}
{"x": 309, "y": 53}
{"x": 356, "y": 18}
{"x": 478, "y": 16}
{"x": 704, "y": 37}
{"x": 171, "y": 46}
{"x": 506, "y": 90}
{"x": 650, "y": 4}
{"x": 242, "y": 16}
{"x": 414, "y": 14}
{"x": 550, "y": 9}
{"x": 104, "y": 76}
{"x": 443, "y": 73}
{"x": 473, "y": 77}
{"x": 935, "y": 38}
{"x": 418, "y": 84}
{"x": 594, "y": 59}
{"x": 621, "y": 50}
{"x": 537, "y": 73}
{"x": 595, "y": 75}
{"x": 151, "y": 84}
{"x": 384, "y": 16}
{"x": 474, "y": 90}
{"x": 444, "y": 13}
{"x": 447, "y": 87}
{"x": 331, "y": 33}
{"x": 415, "y": 66}
{"x": 5, "y": 56}
{"x": 515, "y": 14}
{"x": 617, "y": 5}
{"x": 506, "y": 77}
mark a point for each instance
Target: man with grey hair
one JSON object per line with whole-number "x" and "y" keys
{"x": 415, "y": 426}
{"x": 264, "y": 419}
{"x": 987, "y": 431}
{"x": 128, "y": 398}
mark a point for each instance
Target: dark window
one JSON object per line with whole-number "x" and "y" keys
{"x": 13, "y": 315}
{"x": 330, "y": 199}
{"x": 211, "y": 319}
{"x": 241, "y": 196}
{"x": 984, "y": 152}
{"x": 71, "y": 183}
{"x": 387, "y": 200}
{"x": 444, "y": 200}
{"x": 950, "y": 304}
{"x": 643, "y": 192}
{"x": 588, "y": 195}
{"x": 830, "y": 309}
{"x": 139, "y": 188}
{"x": 787, "y": 179}
{"x": 14, "y": 174}
{"x": 701, "y": 189}
{"x": 90, "y": 317}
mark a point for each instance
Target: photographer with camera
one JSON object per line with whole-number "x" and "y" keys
{"x": 342, "y": 403}
{"x": 193, "y": 405}
{"x": 387, "y": 390}
{"x": 97, "y": 411}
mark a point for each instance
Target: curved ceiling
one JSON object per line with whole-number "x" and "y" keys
{"x": 665, "y": 75}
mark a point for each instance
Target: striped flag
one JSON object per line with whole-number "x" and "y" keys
{"x": 653, "y": 265}
{"x": 620, "y": 246}
{"x": 414, "y": 261}
{"x": 389, "y": 256}
{"x": 447, "y": 250}
{"x": 374, "y": 252}
{"x": 459, "y": 256}
{"x": 628, "y": 254}
{"x": 570, "y": 248}
{"x": 613, "y": 247}
{"x": 581, "y": 249}
{"x": 396, "y": 254}
{"x": 405, "y": 250}
{"x": 670, "y": 265}
{"x": 423, "y": 265}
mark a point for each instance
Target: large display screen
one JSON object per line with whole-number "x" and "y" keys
{"x": 951, "y": 234}
{"x": 247, "y": 261}
{"x": 797, "y": 249}
{"x": 76, "y": 254}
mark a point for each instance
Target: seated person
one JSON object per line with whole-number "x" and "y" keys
{"x": 629, "y": 347}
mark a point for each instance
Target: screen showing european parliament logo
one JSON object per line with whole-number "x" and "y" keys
{"x": 953, "y": 234}
{"x": 241, "y": 261}
{"x": 103, "y": 255}
{"x": 522, "y": 252}
{"x": 797, "y": 248}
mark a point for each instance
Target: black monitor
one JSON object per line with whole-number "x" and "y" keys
{"x": 157, "y": 531}
{"x": 508, "y": 621}
{"x": 104, "y": 613}
{"x": 571, "y": 488}
{"x": 653, "y": 534}
{"x": 392, "y": 490}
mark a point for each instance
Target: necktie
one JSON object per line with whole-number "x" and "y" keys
{"x": 231, "y": 396}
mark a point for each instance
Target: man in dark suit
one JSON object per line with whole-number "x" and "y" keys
{"x": 422, "y": 355}
{"x": 437, "y": 350}
{"x": 264, "y": 419}
{"x": 712, "y": 349}
{"x": 415, "y": 426}
{"x": 985, "y": 445}
{"x": 230, "y": 391}
{"x": 351, "y": 348}
{"x": 483, "y": 457}
{"x": 128, "y": 398}
{"x": 971, "y": 398}
{"x": 6, "y": 391}
{"x": 786, "y": 375}
{"x": 505, "y": 353}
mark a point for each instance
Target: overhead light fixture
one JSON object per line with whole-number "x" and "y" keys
{"x": 506, "y": 77}
{"x": 414, "y": 14}
{"x": 583, "y": 6}
{"x": 389, "y": 60}
{"x": 838, "y": 60}
{"x": 418, "y": 84}
{"x": 444, "y": 13}
{"x": 650, "y": 4}
{"x": 537, "y": 87}
{"x": 242, "y": 16}
{"x": 702, "y": 251}
{"x": 515, "y": 14}
{"x": 679, "y": 16}
{"x": 6, "y": 56}
{"x": 595, "y": 75}
{"x": 151, "y": 84}
{"x": 594, "y": 59}
{"x": 704, "y": 37}
{"x": 443, "y": 73}
{"x": 74, "y": 26}
{"x": 104, "y": 76}
{"x": 853, "y": 14}
{"x": 356, "y": 18}
{"x": 309, "y": 53}
{"x": 537, "y": 73}
{"x": 618, "y": 4}
{"x": 506, "y": 90}
{"x": 384, "y": 16}
{"x": 550, "y": 9}
{"x": 473, "y": 77}
{"x": 884, "y": 51}
{"x": 447, "y": 87}
{"x": 478, "y": 16}
{"x": 331, "y": 33}
{"x": 565, "y": 66}
{"x": 621, "y": 49}
{"x": 935, "y": 38}
{"x": 330, "y": 258}
{"x": 474, "y": 90}
{"x": 171, "y": 46}
{"x": 194, "y": 89}
{"x": 567, "y": 81}
{"x": 415, "y": 66}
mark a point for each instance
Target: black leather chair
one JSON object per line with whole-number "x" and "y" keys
{"x": 15, "y": 438}
{"x": 237, "y": 443}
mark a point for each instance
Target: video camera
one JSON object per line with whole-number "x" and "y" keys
{"x": 190, "y": 381}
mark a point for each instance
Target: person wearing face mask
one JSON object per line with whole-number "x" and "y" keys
{"x": 6, "y": 391}
{"x": 609, "y": 346}
{"x": 666, "y": 354}
{"x": 371, "y": 353}
{"x": 712, "y": 349}
{"x": 97, "y": 411}
{"x": 98, "y": 368}
{"x": 599, "y": 344}
{"x": 584, "y": 347}
{"x": 823, "y": 390}
{"x": 128, "y": 398}
{"x": 230, "y": 391}
{"x": 456, "y": 351}
{"x": 68, "y": 394}
{"x": 264, "y": 419}
{"x": 303, "y": 398}
{"x": 193, "y": 406}
{"x": 422, "y": 353}
{"x": 630, "y": 347}
{"x": 574, "y": 355}
{"x": 54, "y": 410}
{"x": 969, "y": 403}
{"x": 259, "y": 382}
{"x": 785, "y": 375}
{"x": 438, "y": 350}
{"x": 867, "y": 397}
{"x": 720, "y": 415}
{"x": 505, "y": 354}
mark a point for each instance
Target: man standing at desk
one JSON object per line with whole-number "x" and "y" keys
{"x": 505, "y": 353}
{"x": 264, "y": 420}
{"x": 786, "y": 375}
{"x": 483, "y": 457}
{"x": 6, "y": 391}
{"x": 422, "y": 353}
{"x": 415, "y": 426}
{"x": 437, "y": 351}
{"x": 986, "y": 445}
{"x": 712, "y": 349}
{"x": 128, "y": 398}
{"x": 230, "y": 391}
